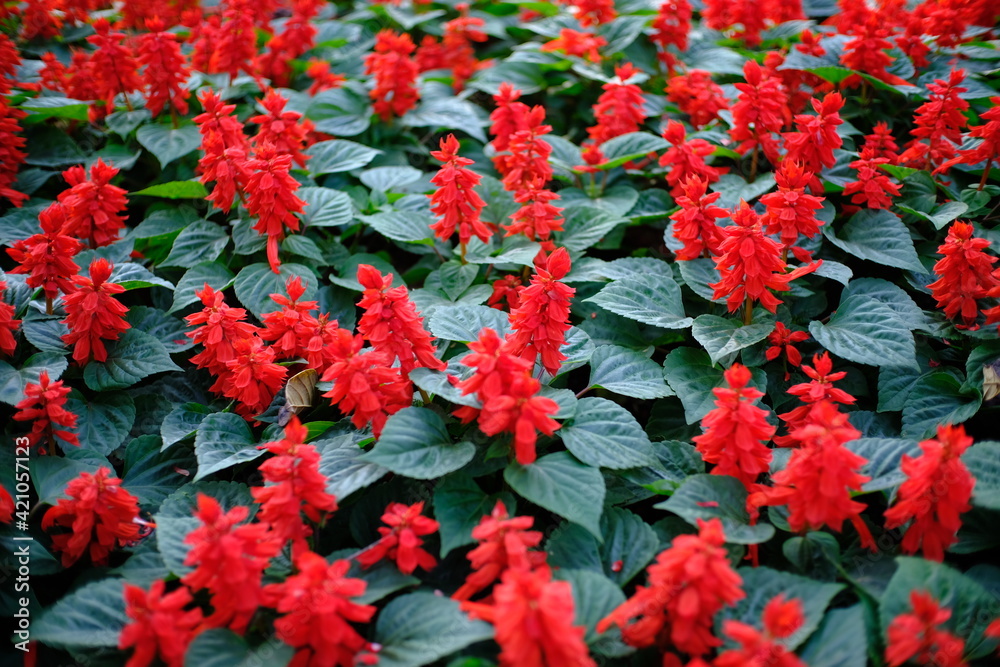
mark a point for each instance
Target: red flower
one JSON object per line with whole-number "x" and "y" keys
{"x": 694, "y": 223}
{"x": 537, "y": 218}
{"x": 218, "y": 327}
{"x": 225, "y": 150}
{"x": 867, "y": 51}
{"x": 504, "y": 543}
{"x": 918, "y": 637}
{"x": 698, "y": 96}
{"x": 819, "y": 388}
{"x": 725, "y": 14}
{"x": 936, "y": 492}
{"x": 686, "y": 159}
{"x": 817, "y": 482}
{"x": 760, "y": 112}
{"x": 670, "y": 28}
{"x": 11, "y": 154}
{"x": 882, "y": 143}
{"x": 318, "y": 612}
{"x": 6, "y": 506}
{"x": 591, "y": 13}
{"x": 229, "y": 561}
{"x": 40, "y": 18}
{"x": 48, "y": 257}
{"x": 816, "y": 139}
{"x": 8, "y": 325}
{"x": 271, "y": 198}
{"x": 783, "y": 341}
{"x": 318, "y": 341}
{"x": 217, "y": 121}
{"x": 508, "y": 117}
{"x": 295, "y": 487}
{"x": 284, "y": 328}
{"x": 159, "y": 625}
{"x": 93, "y": 314}
{"x": 365, "y": 384}
{"x": 988, "y": 150}
{"x": 401, "y": 542}
{"x": 963, "y": 275}
{"x": 322, "y": 77}
{"x": 395, "y": 73}
{"x": 43, "y": 405}
{"x": 575, "y": 43}
{"x": 99, "y": 515}
{"x": 505, "y": 293}
{"x": 540, "y": 321}
{"x": 253, "y": 378}
{"x": 736, "y": 430}
{"x": 759, "y": 649}
{"x": 113, "y": 68}
{"x": 809, "y": 43}
{"x": 790, "y": 211}
{"x": 527, "y": 167}
{"x": 166, "y": 69}
{"x": 284, "y": 130}
{"x": 938, "y": 125}
{"x": 533, "y": 618}
{"x": 619, "y": 109}
{"x": 296, "y": 39}
{"x": 457, "y": 50}
{"x": 235, "y": 40}
{"x": 509, "y": 395}
{"x": 873, "y": 189}
{"x": 689, "y": 583}
{"x": 93, "y": 208}
{"x": 455, "y": 201}
{"x": 750, "y": 264}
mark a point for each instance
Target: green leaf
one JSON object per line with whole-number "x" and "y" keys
{"x": 341, "y": 112}
{"x": 604, "y": 434}
{"x": 403, "y": 226}
{"x": 629, "y": 546}
{"x": 879, "y": 236}
{"x": 200, "y": 242}
{"x": 698, "y": 274}
{"x": 54, "y": 107}
{"x": 631, "y": 146}
{"x": 526, "y": 77}
{"x": 134, "y": 276}
{"x": 415, "y": 443}
{"x": 457, "y": 277}
{"x": 733, "y": 189}
{"x": 627, "y": 372}
{"x": 721, "y": 497}
{"x": 217, "y": 276}
{"x": 166, "y": 329}
{"x": 46, "y": 333}
{"x": 133, "y": 357}
{"x": 942, "y": 215}
{"x": 938, "y": 398}
{"x": 692, "y": 377}
{"x": 123, "y": 123}
{"x": 883, "y": 455}
{"x": 13, "y": 381}
{"x": 326, "y": 207}
{"x": 169, "y": 144}
{"x": 182, "y": 422}
{"x": 893, "y": 296}
{"x": 151, "y": 475}
{"x": 866, "y": 331}
{"x": 175, "y": 190}
{"x": 342, "y": 465}
{"x": 103, "y": 421}
{"x": 586, "y": 225}
{"x": 390, "y": 177}
{"x": 840, "y": 641}
{"x": 420, "y": 628}
{"x": 339, "y": 155}
{"x": 652, "y": 298}
{"x": 448, "y": 113}
{"x": 594, "y": 597}
{"x": 459, "y": 504}
{"x": 257, "y": 282}
{"x": 224, "y": 648}
{"x": 223, "y": 440}
{"x": 722, "y": 336}
{"x": 91, "y": 617}
{"x": 983, "y": 461}
{"x": 464, "y": 323}
{"x": 561, "y": 484}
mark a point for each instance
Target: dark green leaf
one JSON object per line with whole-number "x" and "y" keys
{"x": 169, "y": 144}
{"x": 651, "y": 299}
{"x": 604, "y": 434}
{"x": 866, "y": 331}
{"x": 133, "y": 357}
{"x": 879, "y": 236}
{"x": 223, "y": 440}
{"x": 627, "y": 372}
{"x": 561, "y": 484}
{"x": 717, "y": 496}
{"x": 420, "y": 628}
{"x": 415, "y": 443}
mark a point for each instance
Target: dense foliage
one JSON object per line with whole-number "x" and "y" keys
{"x": 517, "y": 333}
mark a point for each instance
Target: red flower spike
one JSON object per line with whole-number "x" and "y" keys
{"x": 759, "y": 649}
{"x": 936, "y": 492}
{"x": 537, "y": 218}
{"x": 694, "y": 223}
{"x": 93, "y": 207}
{"x": 218, "y": 121}
{"x": 919, "y": 636}
{"x": 395, "y": 73}
{"x": 686, "y": 159}
{"x": 619, "y": 109}
{"x": 505, "y": 543}
{"x": 670, "y": 28}
{"x": 99, "y": 514}
{"x": 592, "y": 13}
{"x": 457, "y": 50}
{"x": 723, "y": 15}
{"x": 93, "y": 314}
{"x": 166, "y": 69}
{"x": 874, "y": 188}
{"x": 229, "y": 558}
{"x": 218, "y": 327}
{"x": 456, "y": 202}
{"x": 391, "y": 323}
{"x": 12, "y": 155}
{"x": 6, "y": 506}
{"x": 295, "y": 487}
{"x": 882, "y": 143}
{"x": 322, "y": 77}
{"x": 575, "y": 43}
{"x": 253, "y": 378}
{"x": 225, "y": 150}
{"x": 533, "y": 618}
{"x": 689, "y": 583}
{"x": 987, "y": 151}
{"x": 286, "y": 131}
{"x": 938, "y": 124}
{"x": 365, "y": 385}
{"x": 527, "y": 167}
{"x": 964, "y": 275}
{"x": 540, "y": 322}
{"x": 505, "y": 293}
{"x": 816, "y": 138}
{"x": 790, "y": 212}
{"x": 509, "y": 116}
{"x": 271, "y": 198}
{"x": 736, "y": 430}
{"x": 43, "y": 405}
{"x": 401, "y": 542}
{"x": 8, "y": 325}
{"x": 819, "y": 388}
{"x": 235, "y": 39}
{"x": 782, "y": 341}
{"x": 298, "y": 37}
{"x": 760, "y": 112}
{"x": 867, "y": 51}
{"x": 317, "y": 612}
{"x": 317, "y": 342}
{"x": 285, "y": 328}
{"x": 697, "y": 95}
{"x": 113, "y": 68}
{"x": 159, "y": 627}
{"x": 47, "y": 258}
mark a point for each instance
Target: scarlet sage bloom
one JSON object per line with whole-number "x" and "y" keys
{"x": 689, "y": 583}
{"x": 697, "y": 95}
{"x": 867, "y": 52}
{"x": 218, "y": 326}
{"x": 44, "y": 406}
{"x": 619, "y": 109}
{"x": 113, "y": 68}
{"x": 938, "y": 124}
{"x": 505, "y": 293}
{"x": 527, "y": 167}
{"x": 782, "y": 341}
{"x": 508, "y": 117}
{"x": 395, "y": 73}
{"x": 964, "y": 275}
{"x": 736, "y": 430}
{"x": 936, "y": 492}
{"x": 235, "y": 40}
{"x": 816, "y": 138}
{"x": 365, "y": 385}
{"x": 457, "y": 51}
{"x": 322, "y": 77}
{"x": 401, "y": 542}
{"x": 505, "y": 543}
{"x": 456, "y": 202}
{"x": 6, "y": 506}
{"x": 8, "y": 325}
{"x": 99, "y": 515}
{"x": 295, "y": 486}
{"x": 882, "y": 143}
{"x": 253, "y": 378}
{"x": 93, "y": 207}
{"x": 819, "y": 388}
{"x": 533, "y": 620}
{"x": 694, "y": 223}
{"x": 874, "y": 188}
{"x": 686, "y": 159}
{"x": 271, "y": 198}
{"x": 509, "y": 395}
{"x": 920, "y": 637}
{"x": 298, "y": 37}
{"x": 317, "y": 612}
{"x": 159, "y": 626}
{"x": 391, "y": 323}
{"x": 988, "y": 151}
{"x": 283, "y": 328}
{"x": 166, "y": 69}
{"x": 670, "y": 28}
{"x": 540, "y": 322}
{"x": 318, "y": 341}
{"x": 11, "y": 154}
{"x": 285, "y": 130}
{"x": 537, "y": 218}
{"x": 790, "y": 212}
{"x": 723, "y": 15}
{"x": 591, "y": 13}
{"x": 47, "y": 258}
{"x": 229, "y": 559}
{"x": 760, "y": 112}
{"x": 218, "y": 121}
{"x": 575, "y": 43}
{"x": 93, "y": 314}
{"x": 760, "y": 649}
